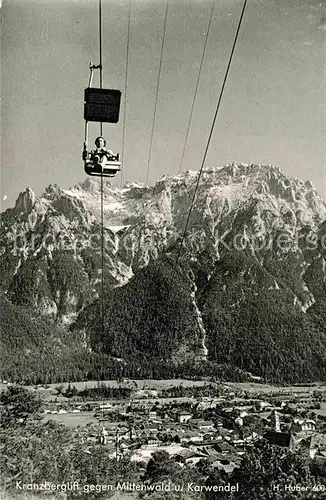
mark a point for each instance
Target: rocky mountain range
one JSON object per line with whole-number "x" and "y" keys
{"x": 247, "y": 290}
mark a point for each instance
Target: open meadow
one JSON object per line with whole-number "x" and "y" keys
{"x": 256, "y": 388}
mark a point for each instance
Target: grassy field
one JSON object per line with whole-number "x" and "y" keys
{"x": 45, "y": 390}
{"x": 133, "y": 384}
{"x": 265, "y": 388}
{"x": 252, "y": 387}
{"x": 73, "y": 420}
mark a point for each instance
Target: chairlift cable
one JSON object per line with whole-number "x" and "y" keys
{"x": 157, "y": 90}
{"x": 212, "y": 129}
{"x": 197, "y": 84}
{"x": 100, "y": 48}
{"x": 144, "y": 211}
{"x": 126, "y": 85}
{"x": 102, "y": 183}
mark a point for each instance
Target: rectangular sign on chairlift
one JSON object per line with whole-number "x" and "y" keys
{"x": 102, "y": 105}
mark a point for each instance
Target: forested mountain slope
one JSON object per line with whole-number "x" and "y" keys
{"x": 248, "y": 289}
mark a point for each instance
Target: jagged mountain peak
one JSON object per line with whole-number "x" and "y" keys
{"x": 232, "y": 257}
{"x": 221, "y": 191}
{"x": 52, "y": 190}
{"x": 232, "y": 185}
{"x": 140, "y": 222}
{"x": 25, "y": 201}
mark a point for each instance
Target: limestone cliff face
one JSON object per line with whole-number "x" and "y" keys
{"x": 249, "y": 290}
{"x": 51, "y": 245}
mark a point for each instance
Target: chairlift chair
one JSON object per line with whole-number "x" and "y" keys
{"x": 108, "y": 166}
{"x": 100, "y": 105}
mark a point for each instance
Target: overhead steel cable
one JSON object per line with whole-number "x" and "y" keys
{"x": 212, "y": 128}
{"x": 125, "y": 98}
{"x": 157, "y": 91}
{"x": 102, "y": 186}
{"x": 102, "y": 183}
{"x": 100, "y": 49}
{"x": 197, "y": 84}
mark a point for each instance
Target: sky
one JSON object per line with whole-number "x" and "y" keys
{"x": 272, "y": 111}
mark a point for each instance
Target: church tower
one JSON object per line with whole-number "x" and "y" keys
{"x": 275, "y": 421}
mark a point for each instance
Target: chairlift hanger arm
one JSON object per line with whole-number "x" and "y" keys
{"x": 92, "y": 67}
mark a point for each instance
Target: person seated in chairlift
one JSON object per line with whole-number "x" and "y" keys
{"x": 101, "y": 154}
